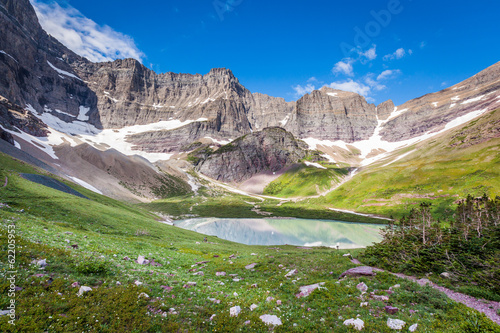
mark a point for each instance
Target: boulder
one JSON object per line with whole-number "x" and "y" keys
{"x": 253, "y": 307}
{"x": 356, "y": 322}
{"x": 391, "y": 310}
{"x": 359, "y": 271}
{"x": 235, "y": 311}
{"x": 83, "y": 290}
{"x": 251, "y": 266}
{"x": 362, "y": 287}
{"x": 271, "y": 320}
{"x": 413, "y": 328}
{"x": 307, "y": 290}
{"x": 395, "y": 324}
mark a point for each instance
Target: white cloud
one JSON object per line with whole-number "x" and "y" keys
{"x": 398, "y": 54}
{"x": 302, "y": 90}
{"x": 387, "y": 74}
{"x": 344, "y": 67}
{"x": 312, "y": 79}
{"x": 352, "y": 86}
{"x": 84, "y": 36}
{"x": 370, "y": 54}
{"x": 374, "y": 84}
{"x": 423, "y": 44}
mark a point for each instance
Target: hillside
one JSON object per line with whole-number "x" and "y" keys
{"x": 66, "y": 243}
{"x": 463, "y": 161}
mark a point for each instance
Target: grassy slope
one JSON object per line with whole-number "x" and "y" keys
{"x": 106, "y": 231}
{"x": 442, "y": 169}
{"x": 303, "y": 181}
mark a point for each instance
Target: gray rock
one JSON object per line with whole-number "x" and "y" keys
{"x": 413, "y": 328}
{"x": 307, "y": 290}
{"x": 235, "y": 311}
{"x": 291, "y": 273}
{"x": 395, "y": 324}
{"x": 4, "y": 312}
{"x": 83, "y": 289}
{"x": 362, "y": 287}
{"x": 271, "y": 320}
{"x": 391, "y": 310}
{"x": 251, "y": 266}
{"x": 359, "y": 271}
{"x": 42, "y": 263}
{"x": 357, "y": 323}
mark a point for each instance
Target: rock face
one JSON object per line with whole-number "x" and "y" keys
{"x": 432, "y": 111}
{"x": 35, "y": 68}
{"x": 271, "y": 150}
{"x": 330, "y": 114}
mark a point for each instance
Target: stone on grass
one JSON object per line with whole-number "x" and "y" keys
{"x": 199, "y": 273}
{"x": 250, "y": 266}
{"x": 235, "y": 294}
{"x": 142, "y": 261}
{"x": 346, "y": 255}
{"x": 126, "y": 258}
{"x": 234, "y": 311}
{"x": 4, "y": 312}
{"x": 254, "y": 285}
{"x": 143, "y": 295}
{"x": 382, "y": 298}
{"x": 356, "y": 322}
{"x": 75, "y": 284}
{"x": 362, "y": 287}
{"x": 291, "y": 273}
{"x": 269, "y": 299}
{"x": 391, "y": 309}
{"x": 137, "y": 283}
{"x": 42, "y": 263}
{"x": 413, "y": 328}
{"x": 356, "y": 261}
{"x": 247, "y": 322}
{"x": 212, "y": 317}
{"x": 307, "y": 290}
{"x": 424, "y": 282}
{"x": 363, "y": 304}
{"x": 83, "y": 290}
{"x": 253, "y": 307}
{"x": 395, "y": 324}
{"x": 271, "y": 320}
{"x": 359, "y": 271}
{"x": 253, "y": 254}
{"x": 220, "y": 273}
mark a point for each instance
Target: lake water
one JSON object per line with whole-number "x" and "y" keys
{"x": 301, "y": 232}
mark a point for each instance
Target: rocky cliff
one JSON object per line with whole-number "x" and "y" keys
{"x": 268, "y": 150}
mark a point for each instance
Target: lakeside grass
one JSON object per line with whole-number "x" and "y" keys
{"x": 106, "y": 231}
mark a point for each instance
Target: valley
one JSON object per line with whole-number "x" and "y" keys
{"x": 140, "y": 201}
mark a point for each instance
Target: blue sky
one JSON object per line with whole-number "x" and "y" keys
{"x": 381, "y": 49}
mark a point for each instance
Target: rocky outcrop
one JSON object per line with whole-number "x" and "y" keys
{"x": 385, "y": 109}
{"x": 34, "y": 67}
{"x": 432, "y": 112}
{"x": 268, "y": 150}
{"x": 330, "y": 114}
{"x": 15, "y": 118}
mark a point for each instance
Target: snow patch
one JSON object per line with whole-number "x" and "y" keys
{"x": 3, "y": 52}
{"x": 332, "y": 94}
{"x": 456, "y": 98}
{"x": 82, "y": 115}
{"x": 472, "y": 100}
{"x": 85, "y": 184}
{"x": 452, "y": 105}
{"x": 435, "y": 104}
{"x": 60, "y": 71}
{"x": 314, "y": 143}
{"x": 284, "y": 121}
{"x": 17, "y": 145}
{"x": 208, "y": 100}
{"x": 316, "y": 165}
{"x": 221, "y": 142}
{"x": 329, "y": 158}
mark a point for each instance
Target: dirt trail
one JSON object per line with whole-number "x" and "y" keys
{"x": 489, "y": 308}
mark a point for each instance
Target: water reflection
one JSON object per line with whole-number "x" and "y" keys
{"x": 300, "y": 232}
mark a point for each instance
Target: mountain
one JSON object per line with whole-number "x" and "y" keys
{"x": 56, "y": 105}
